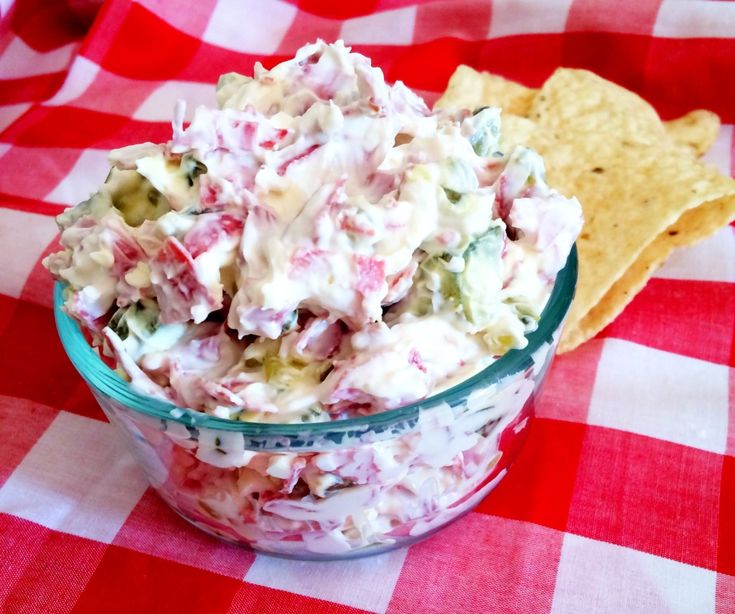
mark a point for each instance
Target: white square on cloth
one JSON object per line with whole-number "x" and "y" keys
{"x": 80, "y": 76}
{"x": 249, "y": 26}
{"x": 78, "y": 478}
{"x": 83, "y": 180}
{"x": 8, "y": 114}
{"x": 528, "y": 17}
{"x": 705, "y": 19}
{"x": 25, "y": 235}
{"x": 365, "y": 583}
{"x": 385, "y": 28}
{"x": 598, "y": 577}
{"x": 19, "y": 61}
{"x": 159, "y": 106}
{"x": 720, "y": 152}
{"x": 710, "y": 260}
{"x": 660, "y": 394}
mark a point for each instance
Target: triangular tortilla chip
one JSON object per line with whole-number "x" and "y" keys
{"x": 697, "y": 130}
{"x": 468, "y": 88}
{"x": 693, "y": 225}
{"x": 632, "y": 183}
{"x": 643, "y": 195}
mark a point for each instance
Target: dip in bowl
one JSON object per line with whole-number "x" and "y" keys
{"x": 337, "y": 489}
{"x": 328, "y": 308}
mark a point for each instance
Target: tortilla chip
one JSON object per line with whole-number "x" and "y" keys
{"x": 692, "y": 226}
{"x": 697, "y": 130}
{"x": 471, "y": 89}
{"x": 578, "y": 103}
{"x": 642, "y": 191}
{"x": 633, "y": 186}
{"x": 518, "y": 131}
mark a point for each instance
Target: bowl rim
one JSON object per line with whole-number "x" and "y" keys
{"x": 104, "y": 380}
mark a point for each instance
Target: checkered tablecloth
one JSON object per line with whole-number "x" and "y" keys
{"x": 623, "y": 499}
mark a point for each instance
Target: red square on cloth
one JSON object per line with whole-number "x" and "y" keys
{"x": 103, "y": 93}
{"x": 22, "y": 422}
{"x": 731, "y": 408}
{"x": 45, "y": 26}
{"x": 82, "y": 403}
{"x": 38, "y": 287}
{"x": 697, "y": 322}
{"x": 146, "y": 47}
{"x": 154, "y": 528}
{"x": 726, "y": 541}
{"x": 50, "y": 165}
{"x": 481, "y": 564}
{"x": 619, "y": 56}
{"x": 33, "y": 362}
{"x": 540, "y": 484}
{"x": 7, "y": 307}
{"x": 210, "y": 61}
{"x": 707, "y": 62}
{"x": 13, "y": 91}
{"x": 83, "y": 128}
{"x": 527, "y": 58}
{"x": 648, "y": 494}
{"x": 263, "y": 599}
{"x": 568, "y": 387}
{"x": 130, "y": 581}
{"x": 43, "y": 570}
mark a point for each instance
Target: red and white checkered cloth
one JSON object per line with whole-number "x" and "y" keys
{"x": 623, "y": 499}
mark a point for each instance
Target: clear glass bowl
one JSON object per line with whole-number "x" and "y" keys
{"x": 337, "y": 489}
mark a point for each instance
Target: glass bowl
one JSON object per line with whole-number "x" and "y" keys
{"x": 341, "y": 489}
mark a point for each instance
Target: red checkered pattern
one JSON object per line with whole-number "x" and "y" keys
{"x": 623, "y": 499}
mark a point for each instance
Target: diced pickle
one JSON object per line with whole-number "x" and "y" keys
{"x": 192, "y": 168}
{"x": 452, "y": 196}
{"x": 118, "y": 324}
{"x": 525, "y": 169}
{"x": 141, "y": 318}
{"x": 458, "y": 176}
{"x": 286, "y": 372}
{"x": 141, "y": 331}
{"x": 436, "y": 269}
{"x": 479, "y": 282}
{"x": 291, "y": 321}
{"x": 485, "y": 139}
{"x": 135, "y": 198}
{"x": 96, "y": 205}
